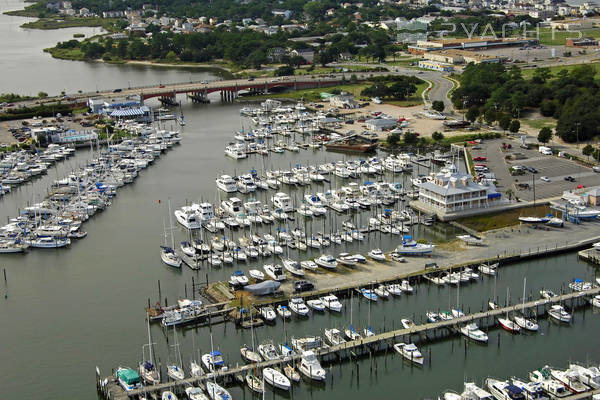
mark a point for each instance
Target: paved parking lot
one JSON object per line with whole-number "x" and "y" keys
{"x": 555, "y": 168}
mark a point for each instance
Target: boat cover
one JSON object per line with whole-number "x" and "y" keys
{"x": 263, "y": 288}
{"x": 129, "y": 376}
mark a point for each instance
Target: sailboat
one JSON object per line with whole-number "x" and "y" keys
{"x": 248, "y": 353}
{"x": 506, "y": 322}
{"x": 167, "y": 254}
{"x": 195, "y": 367}
{"x": 175, "y": 370}
{"x": 522, "y": 320}
{"x": 351, "y": 334}
{"x": 492, "y": 304}
{"x": 368, "y": 331}
{"x": 147, "y": 370}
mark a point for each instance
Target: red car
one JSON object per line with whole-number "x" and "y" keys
{"x": 479, "y": 158}
{"x": 580, "y": 186}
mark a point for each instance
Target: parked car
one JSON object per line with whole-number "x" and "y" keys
{"x": 569, "y": 178}
{"x": 596, "y": 168}
{"x": 532, "y": 170}
{"x": 545, "y": 179}
{"x": 303, "y": 286}
{"x": 479, "y": 158}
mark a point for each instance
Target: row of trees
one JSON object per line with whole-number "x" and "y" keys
{"x": 392, "y": 87}
{"x": 492, "y": 92}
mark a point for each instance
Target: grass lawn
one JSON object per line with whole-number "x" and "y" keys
{"x": 69, "y": 22}
{"x": 414, "y": 100}
{"x": 66, "y": 54}
{"x": 482, "y": 223}
{"x": 528, "y": 73}
{"x": 309, "y": 95}
{"x": 556, "y": 37}
{"x": 540, "y": 123}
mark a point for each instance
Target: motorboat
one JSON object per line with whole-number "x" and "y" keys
{"x": 188, "y": 249}
{"x": 284, "y": 311}
{"x": 407, "y": 323}
{"x": 359, "y": 258}
{"x": 473, "y": 332}
{"x": 195, "y": 393}
{"x": 275, "y": 272}
{"x": 327, "y": 261}
{"x": 509, "y": 325}
{"x": 297, "y": 305}
{"x": 457, "y": 313}
{"x": 504, "y": 390}
{"x": 276, "y": 379}
{"x": 559, "y": 313}
{"x": 532, "y": 390}
{"x": 394, "y": 289}
{"x": 293, "y": 266}
{"x": 232, "y": 206}
{"x": 256, "y": 274}
{"x": 268, "y": 313}
{"x": 188, "y": 217}
{"x": 169, "y": 257}
{"x": 471, "y": 392}
{"x": 268, "y": 351}
{"x": 488, "y": 269}
{"x": 217, "y": 392}
{"x": 368, "y": 294}
{"x": 547, "y": 294}
{"x": 410, "y": 352}
{"x": 309, "y": 265}
{"x": 406, "y": 287}
{"x": 310, "y": 366}
{"x": 238, "y": 279}
{"x": 227, "y": 184}
{"x": 282, "y": 201}
{"x": 316, "y": 304}
{"x": 249, "y": 354}
{"x": 334, "y": 336}
{"x": 570, "y": 379}
{"x": 595, "y": 301}
{"x": 376, "y": 254}
{"x": 346, "y": 260}
{"x": 128, "y": 378}
{"x": 588, "y": 376}
{"x": 49, "y": 242}
{"x": 332, "y": 303}
{"x": 213, "y": 361}
{"x": 412, "y": 247}
{"x": 550, "y": 385}
{"x": 382, "y": 291}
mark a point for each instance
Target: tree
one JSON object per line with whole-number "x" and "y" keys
{"x": 42, "y": 95}
{"x": 515, "y": 125}
{"x": 393, "y": 139}
{"x": 472, "y": 114}
{"x": 545, "y": 135}
{"x": 510, "y": 194}
{"x": 410, "y": 138}
{"x": 284, "y": 70}
{"x": 171, "y": 56}
{"x": 504, "y": 122}
{"x": 438, "y": 105}
{"x": 588, "y": 150}
{"x": 437, "y": 136}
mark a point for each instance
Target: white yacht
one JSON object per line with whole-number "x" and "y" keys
{"x": 310, "y": 367}
{"x": 532, "y": 390}
{"x": 188, "y": 217}
{"x": 559, "y": 313}
{"x": 236, "y": 151}
{"x": 316, "y": 304}
{"x": 410, "y": 352}
{"x": 268, "y": 313}
{"x": 550, "y": 385}
{"x": 297, "y": 305}
{"x": 233, "y": 206}
{"x": 588, "y": 376}
{"x": 376, "y": 254}
{"x": 283, "y": 311}
{"x": 332, "y": 303}
{"x": 246, "y": 184}
{"x": 504, "y": 390}
{"x": 570, "y": 379}
{"x": 334, "y": 336}
{"x": 327, "y": 261}
{"x": 275, "y": 271}
{"x": 276, "y": 379}
{"x": 282, "y": 201}
{"x": 293, "y": 266}
{"x": 411, "y": 247}
{"x": 268, "y": 351}
{"x": 226, "y": 183}
{"x": 472, "y": 331}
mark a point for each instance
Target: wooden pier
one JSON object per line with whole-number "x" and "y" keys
{"x": 590, "y": 255}
{"x": 363, "y": 347}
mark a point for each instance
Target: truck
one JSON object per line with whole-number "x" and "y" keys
{"x": 545, "y": 150}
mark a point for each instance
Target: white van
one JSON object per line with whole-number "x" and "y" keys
{"x": 545, "y": 150}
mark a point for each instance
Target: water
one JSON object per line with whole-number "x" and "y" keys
{"x": 71, "y": 310}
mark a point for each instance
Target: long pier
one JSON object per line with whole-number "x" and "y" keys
{"x": 368, "y": 345}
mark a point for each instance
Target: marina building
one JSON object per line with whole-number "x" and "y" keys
{"x": 456, "y": 192}
{"x": 381, "y": 124}
{"x": 455, "y": 56}
{"x": 436, "y": 66}
{"x": 482, "y": 43}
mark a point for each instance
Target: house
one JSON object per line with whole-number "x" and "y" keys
{"x": 286, "y": 14}
{"x": 584, "y": 41}
{"x": 343, "y": 100}
{"x": 594, "y": 197}
{"x": 307, "y": 54}
{"x": 381, "y": 124}
{"x": 275, "y": 54}
{"x": 113, "y": 14}
{"x": 453, "y": 192}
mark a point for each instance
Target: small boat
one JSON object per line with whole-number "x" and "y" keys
{"x": 456, "y": 313}
{"x": 268, "y": 313}
{"x": 297, "y": 305}
{"x": 309, "y": 265}
{"x": 509, "y": 325}
{"x": 195, "y": 393}
{"x": 316, "y": 304}
{"x": 128, "y": 379}
{"x": 275, "y": 272}
{"x": 276, "y": 379}
{"x": 310, "y": 367}
{"x": 410, "y": 352}
{"x": 368, "y": 294}
{"x": 504, "y": 390}
{"x": 248, "y": 354}
{"x": 238, "y": 279}
{"x": 168, "y": 395}
{"x": 327, "y": 262}
{"x": 526, "y": 323}
{"x": 256, "y": 274}
{"x": 213, "y": 361}
{"x": 346, "y": 260}
{"x": 381, "y": 291}
{"x": 291, "y": 373}
{"x": 254, "y": 383}
{"x": 169, "y": 257}
{"x": 595, "y": 301}
{"x": 394, "y": 289}
{"x": 332, "y": 303}
{"x": 283, "y": 311}
{"x": 488, "y": 269}
{"x": 376, "y": 254}
{"x": 547, "y": 294}
{"x": 473, "y": 332}
{"x": 559, "y": 313}
{"x": 406, "y": 287}
{"x": 334, "y": 336}
{"x": 175, "y": 372}
{"x": 432, "y": 316}
{"x": 293, "y": 267}
{"x": 216, "y": 392}
{"x": 188, "y": 249}
{"x": 359, "y": 258}
{"x": 407, "y": 323}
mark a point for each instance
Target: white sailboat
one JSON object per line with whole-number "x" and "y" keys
{"x": 175, "y": 369}
{"x": 522, "y": 320}
{"x": 148, "y": 371}
{"x": 350, "y": 333}
{"x": 167, "y": 254}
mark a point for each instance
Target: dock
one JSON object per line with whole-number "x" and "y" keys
{"x": 364, "y": 347}
{"x": 590, "y": 255}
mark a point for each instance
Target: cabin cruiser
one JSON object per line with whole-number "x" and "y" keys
{"x": 268, "y": 351}
{"x": 411, "y": 247}
{"x": 213, "y": 361}
{"x": 310, "y": 366}
{"x": 410, "y": 352}
{"x": 283, "y": 311}
{"x": 531, "y": 390}
{"x": 316, "y": 304}
{"x": 282, "y": 201}
{"x": 238, "y": 279}
{"x": 327, "y": 261}
{"x": 334, "y": 336}
{"x": 504, "y": 390}
{"x": 297, "y": 305}
{"x": 275, "y": 272}
{"x": 332, "y": 303}
{"x": 293, "y": 266}
{"x": 188, "y": 217}
{"x": 227, "y": 184}
{"x": 550, "y": 385}
{"x": 233, "y": 206}
{"x": 570, "y": 379}
{"x": 376, "y": 254}
{"x": 246, "y": 184}
{"x": 472, "y": 331}
{"x": 236, "y": 151}
{"x": 588, "y": 376}
{"x": 559, "y": 313}
{"x": 268, "y": 313}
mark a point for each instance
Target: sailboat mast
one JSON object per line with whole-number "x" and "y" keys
{"x": 171, "y": 227}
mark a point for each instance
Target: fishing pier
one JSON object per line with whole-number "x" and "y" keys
{"x": 109, "y": 389}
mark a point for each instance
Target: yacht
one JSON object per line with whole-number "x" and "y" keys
{"x": 550, "y": 385}
{"x": 570, "y": 379}
{"x": 246, "y": 184}
{"x": 410, "y": 352}
{"x": 532, "y": 390}
{"x": 188, "y": 217}
{"x": 332, "y": 303}
{"x": 376, "y": 254}
{"x": 283, "y": 311}
{"x": 406, "y": 287}
{"x": 394, "y": 289}
{"x": 268, "y": 351}
{"x": 275, "y": 272}
{"x": 316, "y": 304}
{"x": 188, "y": 249}
{"x": 310, "y": 366}
{"x": 334, "y": 336}
{"x": 216, "y": 392}
{"x": 559, "y": 313}
{"x": 233, "y": 206}
{"x": 48, "y": 242}
{"x": 238, "y": 279}
{"x": 293, "y": 266}
{"x": 276, "y": 379}
{"x": 282, "y": 201}
{"x": 268, "y": 313}
{"x": 309, "y": 265}
{"x": 169, "y": 257}
{"x": 327, "y": 261}
{"x": 588, "y": 376}
{"x": 256, "y": 274}
{"x": 472, "y": 331}
{"x": 346, "y": 259}
{"x": 227, "y": 184}
{"x": 236, "y": 151}
{"x": 488, "y": 269}
{"x": 411, "y": 247}
{"x": 213, "y": 361}
{"x": 504, "y": 390}
{"x": 297, "y": 305}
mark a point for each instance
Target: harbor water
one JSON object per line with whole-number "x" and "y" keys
{"x": 69, "y": 310}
